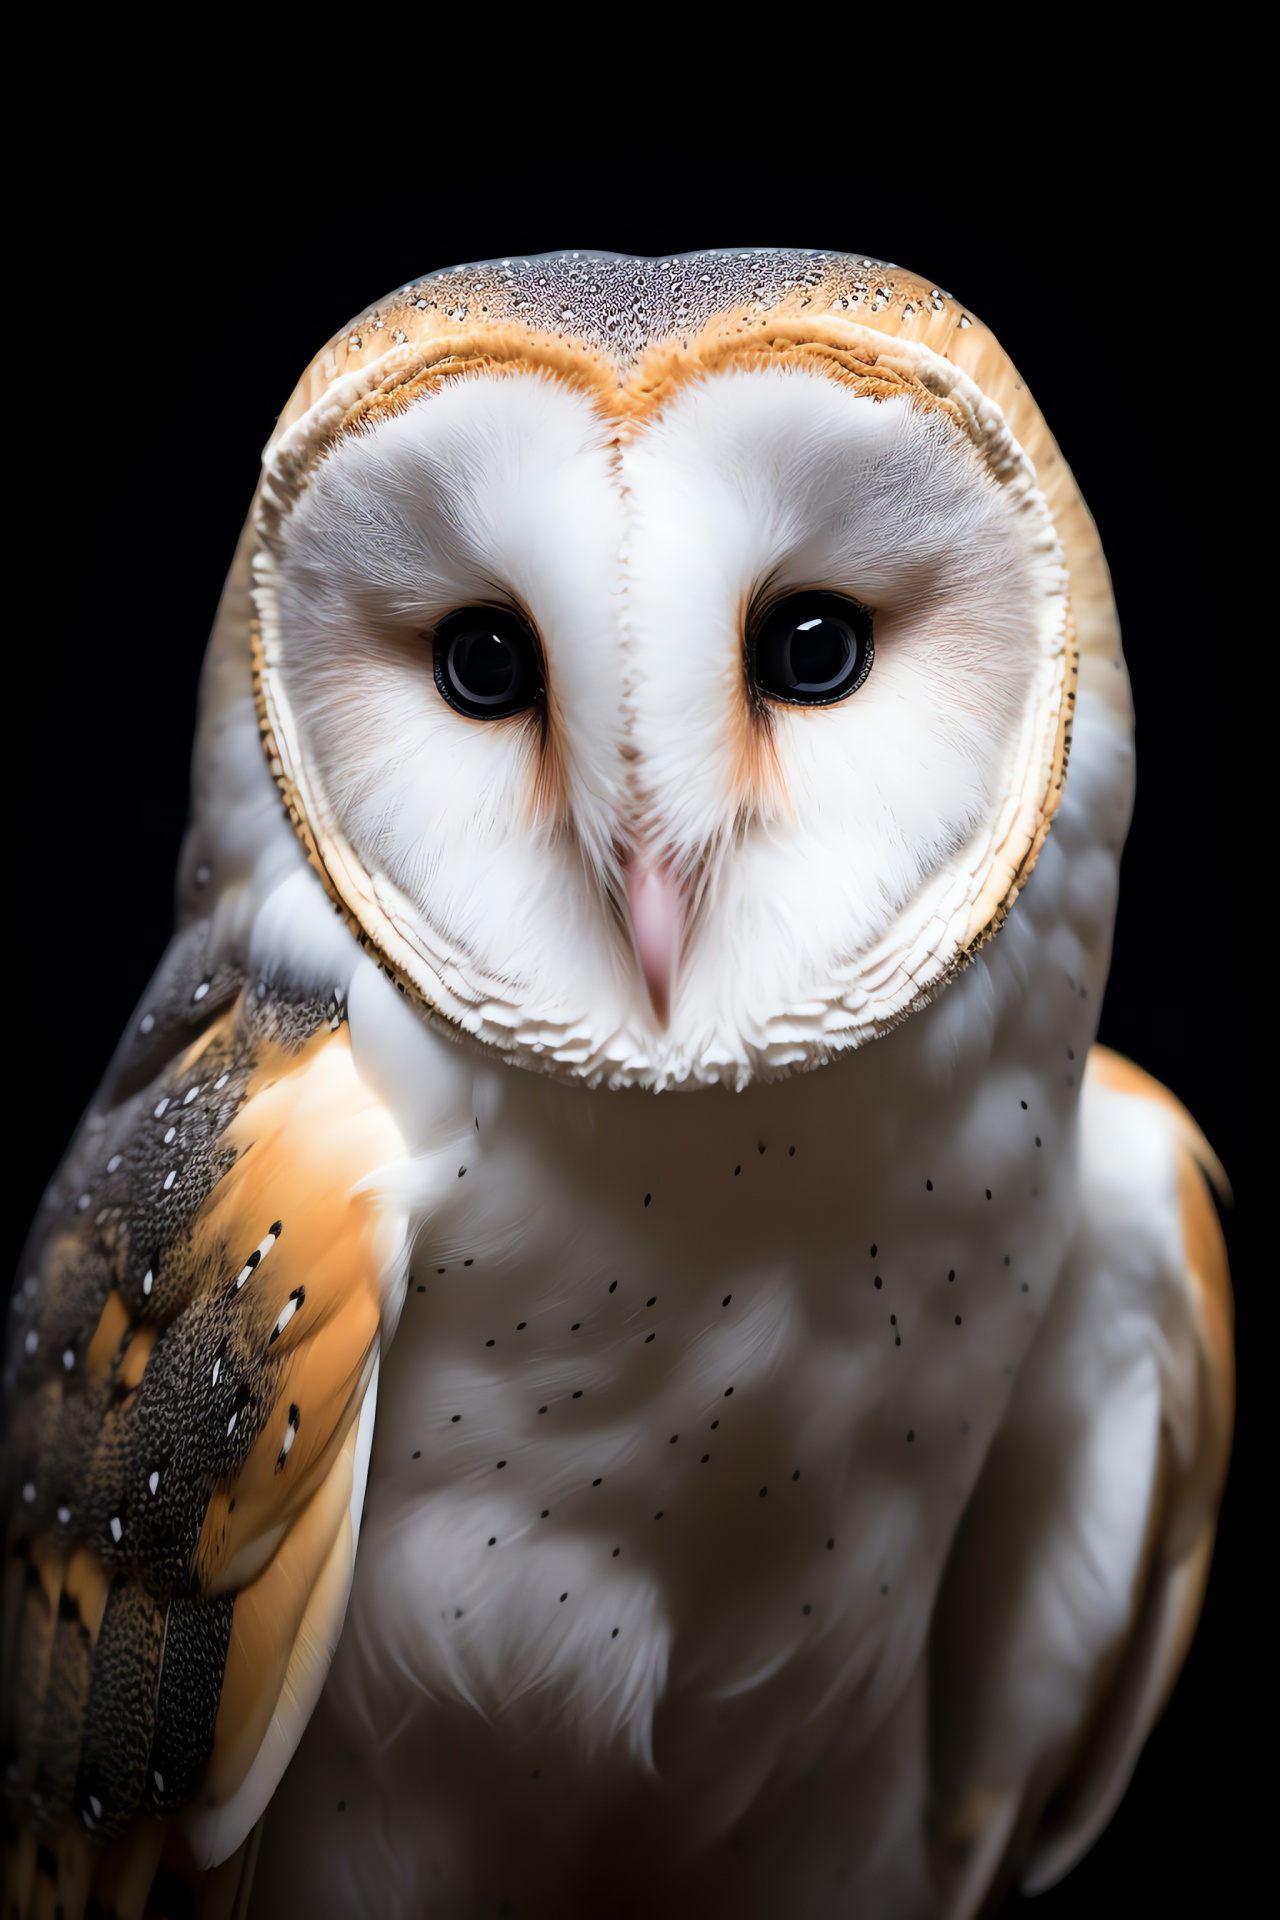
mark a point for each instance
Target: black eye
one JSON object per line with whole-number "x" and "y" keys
{"x": 486, "y": 662}
{"x": 813, "y": 648}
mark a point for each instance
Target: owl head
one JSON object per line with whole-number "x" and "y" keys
{"x": 666, "y": 663}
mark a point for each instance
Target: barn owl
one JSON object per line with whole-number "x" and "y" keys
{"x": 610, "y": 1344}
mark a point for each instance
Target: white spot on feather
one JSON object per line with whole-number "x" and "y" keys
{"x": 258, "y": 1255}
{"x": 287, "y": 1312}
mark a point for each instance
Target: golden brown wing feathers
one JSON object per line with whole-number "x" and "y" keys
{"x": 265, "y": 1627}
{"x": 193, "y": 1346}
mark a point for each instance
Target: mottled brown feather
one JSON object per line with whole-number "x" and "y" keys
{"x": 207, "y": 1280}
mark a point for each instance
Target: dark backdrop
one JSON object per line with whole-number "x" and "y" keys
{"x": 179, "y": 272}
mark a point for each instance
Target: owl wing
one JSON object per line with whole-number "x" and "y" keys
{"x": 1079, "y": 1570}
{"x": 192, "y": 1386}
{"x": 1197, "y": 1416}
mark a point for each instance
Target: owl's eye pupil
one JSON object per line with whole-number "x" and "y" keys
{"x": 820, "y": 651}
{"x": 812, "y": 649}
{"x": 481, "y": 665}
{"x": 486, "y": 662}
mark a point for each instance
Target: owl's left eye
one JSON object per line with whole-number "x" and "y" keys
{"x": 486, "y": 663}
{"x": 813, "y": 648}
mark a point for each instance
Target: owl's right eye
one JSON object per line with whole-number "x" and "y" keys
{"x": 486, "y": 663}
{"x": 813, "y": 649}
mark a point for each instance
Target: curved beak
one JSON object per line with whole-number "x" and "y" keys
{"x": 656, "y": 903}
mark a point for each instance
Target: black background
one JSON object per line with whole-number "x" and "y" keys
{"x": 181, "y": 264}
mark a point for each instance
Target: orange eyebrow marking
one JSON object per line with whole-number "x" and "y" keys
{"x": 632, "y": 399}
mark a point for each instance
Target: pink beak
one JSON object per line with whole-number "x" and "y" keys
{"x": 657, "y": 921}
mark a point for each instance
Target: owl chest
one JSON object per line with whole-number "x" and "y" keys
{"x": 731, "y": 1386}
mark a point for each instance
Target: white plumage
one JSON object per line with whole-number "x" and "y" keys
{"x": 795, "y": 1458}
